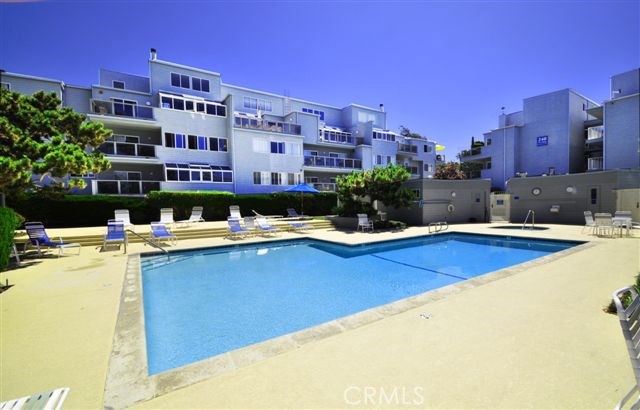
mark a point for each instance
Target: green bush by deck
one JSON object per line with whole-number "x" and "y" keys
{"x": 95, "y": 210}
{"x": 8, "y": 224}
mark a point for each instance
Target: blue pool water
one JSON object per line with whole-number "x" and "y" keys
{"x": 209, "y": 301}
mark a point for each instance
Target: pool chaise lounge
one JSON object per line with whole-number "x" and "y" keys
{"x": 299, "y": 226}
{"x": 160, "y": 233}
{"x": 264, "y": 226}
{"x": 195, "y": 217}
{"x": 115, "y": 234}
{"x": 51, "y": 400}
{"x": 234, "y": 229}
{"x": 38, "y": 237}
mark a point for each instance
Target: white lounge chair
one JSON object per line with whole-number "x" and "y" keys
{"x": 364, "y": 223}
{"x": 166, "y": 216}
{"x": 123, "y": 215}
{"x": 234, "y": 212}
{"x": 589, "y": 222}
{"x": 264, "y": 226}
{"x": 235, "y": 230}
{"x": 50, "y": 400}
{"x": 629, "y": 323}
{"x": 250, "y": 225}
{"x": 196, "y": 216}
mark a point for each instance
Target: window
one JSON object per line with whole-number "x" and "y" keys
{"x": 277, "y": 147}
{"x": 275, "y": 178}
{"x": 182, "y": 104}
{"x": 427, "y": 148}
{"x": 257, "y": 104}
{"x": 488, "y": 165}
{"x": 385, "y": 136}
{"x": 542, "y": 141}
{"x": 416, "y": 193}
{"x": 123, "y": 107}
{"x": 488, "y": 141}
{"x": 172, "y": 140}
{"x": 594, "y": 196}
{"x": 199, "y": 84}
{"x": 217, "y": 144}
{"x": 428, "y": 167}
{"x": 316, "y": 112}
{"x": 175, "y": 80}
{"x": 118, "y": 84}
{"x": 388, "y": 159}
{"x": 197, "y": 142}
{"x": 5, "y": 86}
{"x": 378, "y": 159}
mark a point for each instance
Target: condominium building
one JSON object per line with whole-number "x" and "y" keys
{"x": 563, "y": 132}
{"x": 182, "y": 128}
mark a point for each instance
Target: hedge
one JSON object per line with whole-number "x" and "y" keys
{"x": 95, "y": 210}
{"x": 8, "y": 223}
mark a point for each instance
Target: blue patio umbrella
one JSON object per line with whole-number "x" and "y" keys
{"x": 303, "y": 189}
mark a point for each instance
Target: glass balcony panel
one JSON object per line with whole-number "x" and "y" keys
{"x": 107, "y": 187}
{"x": 130, "y": 188}
{"x": 125, "y": 149}
{"x": 148, "y": 186}
{"x": 146, "y": 150}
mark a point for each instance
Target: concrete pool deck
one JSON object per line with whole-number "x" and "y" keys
{"x": 534, "y": 339}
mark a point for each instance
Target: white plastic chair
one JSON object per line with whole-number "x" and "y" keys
{"x": 604, "y": 224}
{"x": 166, "y": 216}
{"x": 123, "y": 215}
{"x": 589, "y": 222}
{"x": 629, "y": 323}
{"x": 364, "y": 223}
{"x": 234, "y": 212}
{"x": 196, "y": 216}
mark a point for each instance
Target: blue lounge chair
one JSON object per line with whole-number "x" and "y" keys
{"x": 38, "y": 237}
{"x": 115, "y": 234}
{"x": 160, "y": 233}
{"x": 299, "y": 226}
{"x": 292, "y": 213}
{"x": 264, "y": 226}
{"x": 235, "y": 230}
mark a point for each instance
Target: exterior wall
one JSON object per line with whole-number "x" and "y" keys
{"x": 277, "y": 102}
{"x": 77, "y": 98}
{"x": 131, "y": 82}
{"x": 622, "y": 132}
{"x": 502, "y": 153}
{"x": 160, "y": 75}
{"x": 572, "y": 193}
{"x": 624, "y": 84}
{"x": 470, "y": 200}
{"x": 629, "y": 200}
{"x": 30, "y": 85}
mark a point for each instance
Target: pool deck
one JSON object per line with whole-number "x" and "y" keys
{"x": 537, "y": 338}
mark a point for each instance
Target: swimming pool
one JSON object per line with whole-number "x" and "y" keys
{"x": 206, "y": 302}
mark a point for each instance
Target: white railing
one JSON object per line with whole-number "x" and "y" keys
{"x": 332, "y": 162}
{"x": 119, "y": 109}
{"x": 595, "y": 133}
{"x": 324, "y": 186}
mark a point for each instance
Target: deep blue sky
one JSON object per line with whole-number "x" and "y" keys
{"x": 441, "y": 68}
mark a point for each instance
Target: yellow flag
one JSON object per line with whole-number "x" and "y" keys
{"x": 440, "y": 147}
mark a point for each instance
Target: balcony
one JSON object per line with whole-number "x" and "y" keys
{"x": 332, "y": 162}
{"x": 595, "y": 164}
{"x": 124, "y": 187}
{"x": 128, "y": 149}
{"x": 412, "y": 149}
{"x": 471, "y": 152}
{"x": 265, "y": 125}
{"x": 121, "y": 109}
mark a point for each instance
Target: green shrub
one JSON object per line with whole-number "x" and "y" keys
{"x": 8, "y": 225}
{"x": 58, "y": 211}
{"x": 78, "y": 210}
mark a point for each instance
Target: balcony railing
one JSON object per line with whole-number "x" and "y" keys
{"x": 595, "y": 133}
{"x": 324, "y": 186}
{"x": 332, "y": 162}
{"x": 595, "y": 164}
{"x": 408, "y": 148}
{"x": 471, "y": 152}
{"x": 265, "y": 125}
{"x": 121, "y": 109}
{"x": 125, "y": 187}
{"x": 128, "y": 149}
